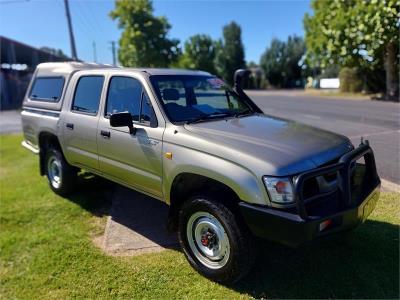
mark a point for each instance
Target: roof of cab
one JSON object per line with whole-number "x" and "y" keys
{"x": 160, "y": 71}
{"x": 69, "y": 67}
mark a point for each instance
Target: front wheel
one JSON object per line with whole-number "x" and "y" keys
{"x": 214, "y": 241}
{"x": 60, "y": 175}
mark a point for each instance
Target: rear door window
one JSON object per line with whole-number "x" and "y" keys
{"x": 47, "y": 89}
{"x": 87, "y": 94}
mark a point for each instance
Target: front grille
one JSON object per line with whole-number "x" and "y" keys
{"x": 311, "y": 188}
{"x": 320, "y": 185}
{"x": 336, "y": 186}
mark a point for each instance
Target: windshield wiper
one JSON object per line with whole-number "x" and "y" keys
{"x": 243, "y": 113}
{"x": 205, "y": 117}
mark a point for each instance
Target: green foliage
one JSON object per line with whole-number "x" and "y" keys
{"x": 349, "y": 80}
{"x": 199, "y": 54}
{"x": 281, "y": 62}
{"x": 256, "y": 79}
{"x": 272, "y": 63}
{"x": 230, "y": 52}
{"x": 53, "y": 51}
{"x": 354, "y": 33}
{"x": 144, "y": 41}
{"x": 332, "y": 71}
{"x": 351, "y": 33}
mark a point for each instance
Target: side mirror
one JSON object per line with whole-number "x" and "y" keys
{"x": 123, "y": 119}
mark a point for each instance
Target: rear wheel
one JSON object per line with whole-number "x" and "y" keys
{"x": 214, "y": 241}
{"x": 61, "y": 176}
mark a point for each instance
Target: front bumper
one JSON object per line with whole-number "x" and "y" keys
{"x": 342, "y": 210}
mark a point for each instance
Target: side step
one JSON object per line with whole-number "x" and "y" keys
{"x": 28, "y": 146}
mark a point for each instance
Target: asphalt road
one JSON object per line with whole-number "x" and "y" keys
{"x": 377, "y": 121}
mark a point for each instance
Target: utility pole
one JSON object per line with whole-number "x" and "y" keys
{"x": 94, "y": 52}
{"x": 113, "y": 49}
{"x": 71, "y": 33}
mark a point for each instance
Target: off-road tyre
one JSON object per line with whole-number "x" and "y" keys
{"x": 242, "y": 248}
{"x": 62, "y": 177}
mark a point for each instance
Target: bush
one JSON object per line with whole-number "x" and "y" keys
{"x": 349, "y": 80}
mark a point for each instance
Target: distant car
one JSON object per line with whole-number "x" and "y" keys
{"x": 228, "y": 172}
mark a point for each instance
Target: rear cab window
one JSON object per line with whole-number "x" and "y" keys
{"x": 47, "y": 89}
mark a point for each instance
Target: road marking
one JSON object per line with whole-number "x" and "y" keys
{"x": 313, "y": 117}
{"x": 390, "y": 186}
{"x": 376, "y": 133}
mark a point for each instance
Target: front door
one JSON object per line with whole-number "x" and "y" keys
{"x": 81, "y": 120}
{"x": 133, "y": 159}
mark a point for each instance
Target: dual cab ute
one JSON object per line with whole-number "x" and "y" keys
{"x": 228, "y": 172}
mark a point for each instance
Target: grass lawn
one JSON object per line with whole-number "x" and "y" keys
{"x": 46, "y": 251}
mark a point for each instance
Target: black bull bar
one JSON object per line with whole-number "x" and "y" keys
{"x": 343, "y": 169}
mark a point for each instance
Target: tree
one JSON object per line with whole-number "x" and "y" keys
{"x": 271, "y": 62}
{"x": 356, "y": 33}
{"x": 144, "y": 41}
{"x": 281, "y": 62}
{"x": 199, "y": 54}
{"x": 230, "y": 52}
{"x": 56, "y": 52}
{"x": 256, "y": 77}
{"x": 349, "y": 80}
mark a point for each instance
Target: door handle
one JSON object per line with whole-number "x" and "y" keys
{"x": 70, "y": 126}
{"x": 105, "y": 134}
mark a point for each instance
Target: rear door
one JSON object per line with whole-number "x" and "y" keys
{"x": 133, "y": 159}
{"x": 81, "y": 120}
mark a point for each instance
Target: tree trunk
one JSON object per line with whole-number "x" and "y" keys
{"x": 392, "y": 88}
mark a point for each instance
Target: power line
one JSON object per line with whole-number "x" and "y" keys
{"x": 76, "y": 22}
{"x": 85, "y": 19}
{"x": 83, "y": 25}
{"x": 91, "y": 18}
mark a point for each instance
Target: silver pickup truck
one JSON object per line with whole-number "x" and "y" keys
{"x": 228, "y": 172}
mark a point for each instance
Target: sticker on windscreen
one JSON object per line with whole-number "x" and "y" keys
{"x": 216, "y": 83}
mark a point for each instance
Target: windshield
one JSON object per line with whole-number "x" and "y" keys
{"x": 188, "y": 98}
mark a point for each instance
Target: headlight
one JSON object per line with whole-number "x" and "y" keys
{"x": 279, "y": 189}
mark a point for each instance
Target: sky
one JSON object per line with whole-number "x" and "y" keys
{"x": 43, "y": 23}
